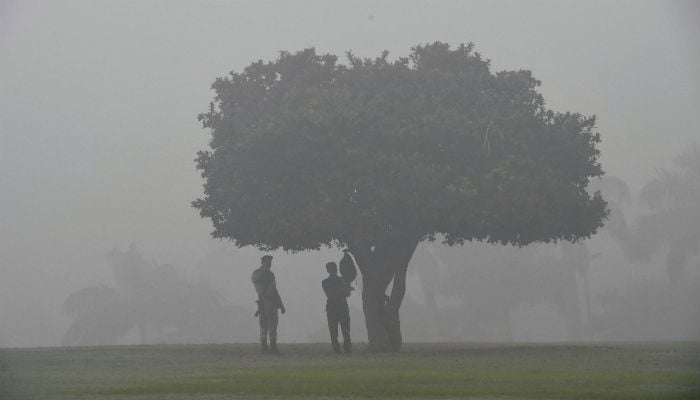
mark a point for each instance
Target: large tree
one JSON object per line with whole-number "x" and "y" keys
{"x": 378, "y": 155}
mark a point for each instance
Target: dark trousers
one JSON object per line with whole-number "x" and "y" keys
{"x": 342, "y": 319}
{"x": 268, "y": 321}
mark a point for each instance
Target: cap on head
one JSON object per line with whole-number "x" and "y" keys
{"x": 331, "y": 267}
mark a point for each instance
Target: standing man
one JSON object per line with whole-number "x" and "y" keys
{"x": 268, "y": 302}
{"x": 337, "y": 291}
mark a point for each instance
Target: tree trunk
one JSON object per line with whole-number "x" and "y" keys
{"x": 373, "y": 303}
{"x": 380, "y": 265}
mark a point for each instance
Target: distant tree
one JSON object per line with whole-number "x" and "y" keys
{"x": 493, "y": 282}
{"x": 650, "y": 309}
{"x": 100, "y": 316}
{"x": 376, "y": 156}
{"x": 103, "y": 314}
{"x": 153, "y": 299}
{"x": 673, "y": 225}
{"x": 617, "y": 195}
{"x": 428, "y": 265}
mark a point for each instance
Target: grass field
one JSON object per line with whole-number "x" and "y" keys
{"x": 455, "y": 371}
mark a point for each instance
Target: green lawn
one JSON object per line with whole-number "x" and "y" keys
{"x": 480, "y": 371}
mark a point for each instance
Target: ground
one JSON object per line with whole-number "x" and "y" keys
{"x": 446, "y": 371}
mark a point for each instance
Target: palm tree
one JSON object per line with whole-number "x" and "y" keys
{"x": 578, "y": 256}
{"x": 673, "y": 223}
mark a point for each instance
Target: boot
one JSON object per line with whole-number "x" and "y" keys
{"x": 273, "y": 347}
{"x": 347, "y": 347}
{"x": 263, "y": 347}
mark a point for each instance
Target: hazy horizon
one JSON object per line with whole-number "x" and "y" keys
{"x": 98, "y": 126}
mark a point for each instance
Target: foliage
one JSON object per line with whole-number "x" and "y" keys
{"x": 155, "y": 300}
{"x": 377, "y": 155}
{"x": 617, "y": 196}
{"x": 489, "y": 282}
{"x": 650, "y": 310}
{"x": 307, "y": 152}
{"x": 673, "y": 223}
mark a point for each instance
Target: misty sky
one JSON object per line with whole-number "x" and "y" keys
{"x": 98, "y": 104}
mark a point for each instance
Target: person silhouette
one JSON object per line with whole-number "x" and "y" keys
{"x": 337, "y": 291}
{"x": 269, "y": 301}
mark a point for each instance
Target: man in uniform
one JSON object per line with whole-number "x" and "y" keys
{"x": 337, "y": 291}
{"x": 268, "y": 302}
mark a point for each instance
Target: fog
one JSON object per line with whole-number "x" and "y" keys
{"x": 98, "y": 132}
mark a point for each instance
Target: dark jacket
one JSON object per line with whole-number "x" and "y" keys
{"x": 337, "y": 292}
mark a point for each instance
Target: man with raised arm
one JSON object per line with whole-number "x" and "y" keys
{"x": 337, "y": 291}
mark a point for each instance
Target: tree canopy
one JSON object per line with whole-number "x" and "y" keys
{"x": 306, "y": 151}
